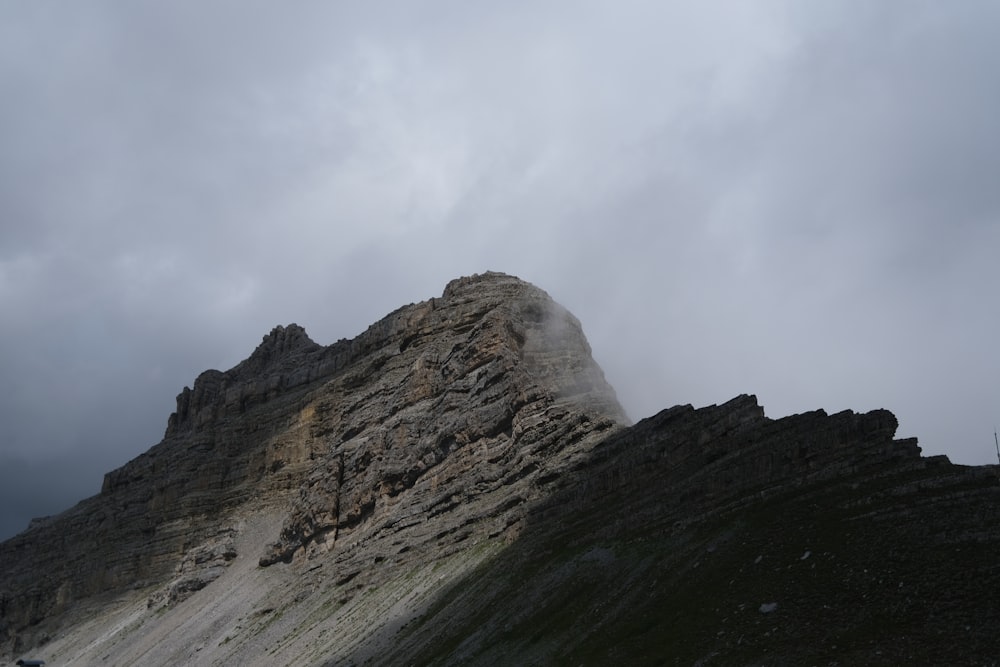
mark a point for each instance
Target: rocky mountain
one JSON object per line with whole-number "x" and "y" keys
{"x": 458, "y": 485}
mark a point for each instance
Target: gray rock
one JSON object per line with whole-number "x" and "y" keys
{"x": 458, "y": 485}
{"x": 436, "y": 424}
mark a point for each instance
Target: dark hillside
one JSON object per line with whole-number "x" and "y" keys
{"x": 717, "y": 536}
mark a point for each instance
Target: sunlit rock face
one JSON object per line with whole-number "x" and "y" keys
{"x": 458, "y": 485}
{"x": 431, "y": 427}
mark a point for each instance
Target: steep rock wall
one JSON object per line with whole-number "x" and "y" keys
{"x": 427, "y": 428}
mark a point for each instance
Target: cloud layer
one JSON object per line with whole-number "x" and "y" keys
{"x": 776, "y": 198}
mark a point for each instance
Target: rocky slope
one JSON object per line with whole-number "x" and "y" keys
{"x": 720, "y": 537}
{"x": 428, "y": 429}
{"x": 458, "y": 485}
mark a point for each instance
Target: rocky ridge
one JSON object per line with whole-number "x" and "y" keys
{"x": 717, "y": 536}
{"x": 458, "y": 485}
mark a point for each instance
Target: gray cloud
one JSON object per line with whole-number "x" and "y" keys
{"x": 796, "y": 201}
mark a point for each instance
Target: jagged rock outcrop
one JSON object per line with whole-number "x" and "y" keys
{"x": 458, "y": 485}
{"x": 287, "y": 358}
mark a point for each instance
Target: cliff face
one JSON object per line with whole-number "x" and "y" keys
{"x": 428, "y": 428}
{"x": 458, "y": 485}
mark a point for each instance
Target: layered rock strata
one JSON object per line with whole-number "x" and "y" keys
{"x": 428, "y": 428}
{"x": 717, "y": 536}
{"x": 458, "y": 485}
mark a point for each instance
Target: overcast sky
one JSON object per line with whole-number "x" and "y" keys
{"x": 796, "y": 200}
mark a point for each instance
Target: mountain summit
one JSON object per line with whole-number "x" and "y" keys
{"x": 459, "y": 485}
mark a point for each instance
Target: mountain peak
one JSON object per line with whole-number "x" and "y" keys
{"x": 459, "y": 485}
{"x": 440, "y": 405}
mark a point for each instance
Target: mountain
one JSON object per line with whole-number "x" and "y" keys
{"x": 458, "y": 485}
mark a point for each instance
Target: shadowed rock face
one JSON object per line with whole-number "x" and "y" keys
{"x": 458, "y": 485}
{"x": 720, "y": 537}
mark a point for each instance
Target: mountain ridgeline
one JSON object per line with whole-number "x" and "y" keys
{"x": 458, "y": 485}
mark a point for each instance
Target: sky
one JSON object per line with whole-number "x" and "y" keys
{"x": 794, "y": 200}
